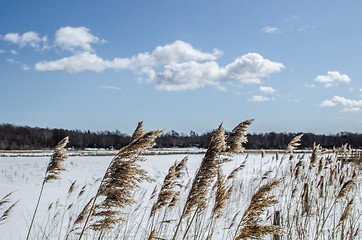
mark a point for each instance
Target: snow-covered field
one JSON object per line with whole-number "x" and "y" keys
{"x": 24, "y": 176}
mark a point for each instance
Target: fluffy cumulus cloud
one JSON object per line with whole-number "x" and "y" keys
{"x": 267, "y": 90}
{"x": 332, "y": 78}
{"x": 173, "y": 67}
{"x": 72, "y": 38}
{"x": 348, "y": 104}
{"x": 29, "y": 38}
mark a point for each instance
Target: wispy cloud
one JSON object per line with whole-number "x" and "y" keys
{"x": 26, "y": 39}
{"x": 269, "y": 29}
{"x": 349, "y": 104}
{"x": 259, "y": 98}
{"x": 2, "y": 51}
{"x": 22, "y": 65}
{"x": 333, "y": 78}
{"x": 111, "y": 87}
{"x": 14, "y": 52}
{"x": 173, "y": 67}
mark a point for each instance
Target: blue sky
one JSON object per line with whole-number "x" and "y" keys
{"x": 294, "y": 66}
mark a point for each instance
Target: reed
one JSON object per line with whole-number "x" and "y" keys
{"x": 52, "y": 172}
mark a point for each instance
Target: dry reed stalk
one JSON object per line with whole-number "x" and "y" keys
{"x": 293, "y": 144}
{"x": 305, "y": 200}
{"x": 6, "y": 199}
{"x": 167, "y": 191}
{"x": 197, "y": 197}
{"x": 6, "y": 213}
{"x": 205, "y": 175}
{"x": 346, "y": 212}
{"x": 249, "y": 225}
{"x": 55, "y": 166}
{"x": 180, "y": 172}
{"x": 139, "y": 132}
{"x": 222, "y": 194}
{"x": 237, "y": 137}
{"x": 122, "y": 177}
{"x": 180, "y": 168}
{"x": 343, "y": 192}
{"x": 233, "y": 173}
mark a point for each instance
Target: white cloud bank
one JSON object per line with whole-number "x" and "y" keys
{"x": 350, "y": 105}
{"x": 332, "y": 78}
{"x": 173, "y": 67}
{"x": 29, "y": 38}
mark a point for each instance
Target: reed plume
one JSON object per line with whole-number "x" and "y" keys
{"x": 205, "y": 175}
{"x": 223, "y": 192}
{"x": 249, "y": 225}
{"x": 55, "y": 166}
{"x": 167, "y": 191}
{"x": 293, "y": 144}
{"x": 233, "y": 173}
{"x": 122, "y": 177}
{"x": 5, "y": 215}
{"x": 237, "y": 137}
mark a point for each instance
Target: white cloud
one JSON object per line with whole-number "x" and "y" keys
{"x": 82, "y": 62}
{"x": 29, "y": 38}
{"x": 251, "y": 81}
{"x": 14, "y": 52}
{"x": 175, "y": 66}
{"x": 332, "y": 78}
{"x": 350, "y": 105}
{"x": 258, "y": 98}
{"x": 252, "y": 66}
{"x": 71, "y": 38}
{"x": 269, "y": 29}
{"x": 111, "y": 87}
{"x": 267, "y": 90}
{"x": 2, "y": 51}
{"x": 189, "y": 75}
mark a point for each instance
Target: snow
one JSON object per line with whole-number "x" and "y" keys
{"x": 24, "y": 175}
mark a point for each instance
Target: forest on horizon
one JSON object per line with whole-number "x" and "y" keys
{"x": 14, "y": 137}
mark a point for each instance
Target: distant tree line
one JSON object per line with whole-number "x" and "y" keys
{"x": 23, "y": 137}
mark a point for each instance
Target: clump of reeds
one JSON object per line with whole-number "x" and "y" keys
{"x": 250, "y": 226}
{"x": 197, "y": 199}
{"x": 55, "y": 166}
{"x": 122, "y": 177}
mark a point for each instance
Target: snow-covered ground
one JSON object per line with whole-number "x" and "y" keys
{"x": 24, "y": 176}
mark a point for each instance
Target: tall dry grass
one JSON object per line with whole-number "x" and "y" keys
{"x": 311, "y": 196}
